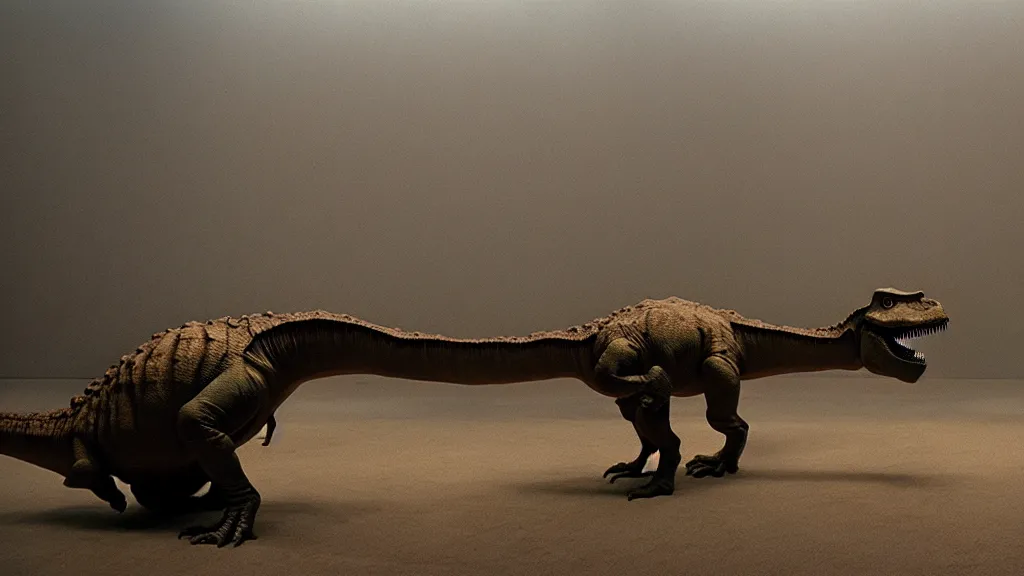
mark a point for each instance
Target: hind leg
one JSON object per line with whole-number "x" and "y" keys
{"x": 207, "y": 425}
{"x": 723, "y": 398}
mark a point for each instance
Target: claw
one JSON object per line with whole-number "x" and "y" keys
{"x": 617, "y": 468}
{"x": 234, "y": 527}
{"x": 270, "y": 427}
{"x": 631, "y": 474}
{"x": 634, "y": 469}
{"x": 702, "y": 466}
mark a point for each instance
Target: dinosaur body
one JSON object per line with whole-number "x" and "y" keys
{"x": 166, "y": 419}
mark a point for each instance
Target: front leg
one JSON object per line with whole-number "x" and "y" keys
{"x": 653, "y": 422}
{"x": 205, "y": 424}
{"x": 722, "y": 395}
{"x": 628, "y": 407}
{"x": 86, "y": 473}
{"x": 616, "y": 375}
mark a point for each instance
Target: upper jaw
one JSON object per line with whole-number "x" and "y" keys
{"x": 909, "y": 328}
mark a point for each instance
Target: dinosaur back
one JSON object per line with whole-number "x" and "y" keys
{"x": 178, "y": 359}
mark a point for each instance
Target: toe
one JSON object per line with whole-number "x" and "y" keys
{"x": 207, "y": 538}
{"x": 631, "y": 474}
{"x": 700, "y": 471}
{"x": 700, "y": 459}
{"x": 615, "y": 469}
{"x": 241, "y": 535}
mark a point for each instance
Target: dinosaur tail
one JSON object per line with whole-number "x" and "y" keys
{"x": 307, "y": 349}
{"x": 39, "y": 438}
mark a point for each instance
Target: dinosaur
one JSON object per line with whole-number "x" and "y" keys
{"x": 168, "y": 418}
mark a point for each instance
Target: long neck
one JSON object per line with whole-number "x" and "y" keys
{"x": 306, "y": 349}
{"x": 768, "y": 350}
{"x": 42, "y": 439}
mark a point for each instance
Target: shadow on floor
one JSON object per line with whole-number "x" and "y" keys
{"x": 598, "y": 487}
{"x": 137, "y": 519}
{"x": 896, "y": 479}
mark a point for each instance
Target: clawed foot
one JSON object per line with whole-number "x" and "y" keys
{"x": 634, "y": 469}
{"x": 658, "y": 486}
{"x": 662, "y": 481}
{"x": 234, "y": 527}
{"x": 716, "y": 466}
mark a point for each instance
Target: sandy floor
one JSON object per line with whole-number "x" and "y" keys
{"x": 371, "y": 476}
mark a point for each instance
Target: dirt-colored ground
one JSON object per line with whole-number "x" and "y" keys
{"x": 372, "y": 476}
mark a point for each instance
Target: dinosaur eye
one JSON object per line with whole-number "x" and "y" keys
{"x": 887, "y": 302}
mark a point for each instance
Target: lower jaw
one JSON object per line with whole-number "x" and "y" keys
{"x": 906, "y": 354}
{"x": 914, "y": 361}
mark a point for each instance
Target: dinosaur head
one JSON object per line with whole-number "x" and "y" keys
{"x": 886, "y": 326}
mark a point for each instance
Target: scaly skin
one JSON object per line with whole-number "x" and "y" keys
{"x": 169, "y": 417}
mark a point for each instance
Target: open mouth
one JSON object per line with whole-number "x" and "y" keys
{"x": 900, "y": 341}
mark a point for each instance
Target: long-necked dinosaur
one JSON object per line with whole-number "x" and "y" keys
{"x": 168, "y": 418}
